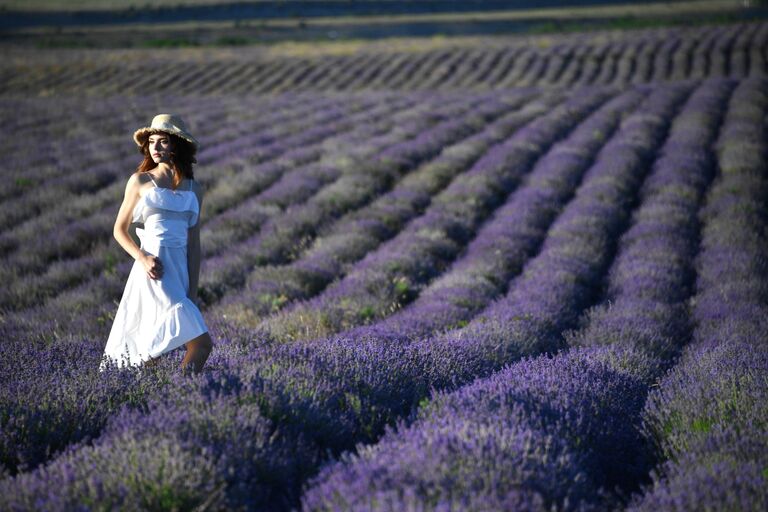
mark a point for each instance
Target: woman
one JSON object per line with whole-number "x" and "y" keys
{"x": 157, "y": 312}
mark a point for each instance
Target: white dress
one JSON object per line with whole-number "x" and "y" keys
{"x": 155, "y": 315}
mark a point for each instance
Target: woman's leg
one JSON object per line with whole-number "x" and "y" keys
{"x": 198, "y": 350}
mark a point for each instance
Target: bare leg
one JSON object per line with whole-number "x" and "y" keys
{"x": 198, "y": 350}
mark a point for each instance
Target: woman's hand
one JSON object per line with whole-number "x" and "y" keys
{"x": 152, "y": 265}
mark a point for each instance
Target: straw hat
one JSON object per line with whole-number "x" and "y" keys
{"x": 167, "y": 123}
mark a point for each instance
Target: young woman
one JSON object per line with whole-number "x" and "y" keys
{"x": 157, "y": 312}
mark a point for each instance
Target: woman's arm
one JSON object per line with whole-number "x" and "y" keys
{"x": 151, "y": 264}
{"x": 193, "y": 250}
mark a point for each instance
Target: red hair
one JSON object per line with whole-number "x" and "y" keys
{"x": 182, "y": 158}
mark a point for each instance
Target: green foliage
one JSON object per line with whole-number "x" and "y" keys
{"x": 702, "y": 425}
{"x": 274, "y": 302}
{"x": 461, "y": 324}
{"x": 353, "y": 402}
{"x": 367, "y": 313}
{"x": 110, "y": 264}
{"x": 402, "y": 288}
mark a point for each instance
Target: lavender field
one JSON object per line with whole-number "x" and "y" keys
{"x": 501, "y": 277}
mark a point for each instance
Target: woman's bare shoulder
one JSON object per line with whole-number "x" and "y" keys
{"x": 136, "y": 182}
{"x": 139, "y": 178}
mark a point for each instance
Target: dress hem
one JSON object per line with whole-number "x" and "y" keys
{"x": 182, "y": 323}
{"x": 179, "y": 324}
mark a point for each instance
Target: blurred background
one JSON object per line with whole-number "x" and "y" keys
{"x": 97, "y": 46}
{"x": 190, "y": 23}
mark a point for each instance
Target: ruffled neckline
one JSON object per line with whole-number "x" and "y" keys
{"x": 174, "y": 200}
{"x": 175, "y": 192}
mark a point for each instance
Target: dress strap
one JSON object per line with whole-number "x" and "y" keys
{"x": 153, "y": 180}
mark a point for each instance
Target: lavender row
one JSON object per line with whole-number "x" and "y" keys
{"x": 525, "y": 438}
{"x": 283, "y": 238}
{"x": 348, "y": 239}
{"x": 542, "y": 302}
{"x": 51, "y": 397}
{"x": 194, "y": 443}
{"x": 332, "y": 122}
{"x": 112, "y": 117}
{"x": 394, "y": 274}
{"x": 708, "y": 414}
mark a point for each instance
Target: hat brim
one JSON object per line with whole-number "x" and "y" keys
{"x": 142, "y": 133}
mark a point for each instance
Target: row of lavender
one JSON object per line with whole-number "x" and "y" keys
{"x": 618, "y": 58}
{"x": 319, "y": 395}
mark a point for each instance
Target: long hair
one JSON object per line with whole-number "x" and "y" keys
{"x": 182, "y": 158}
